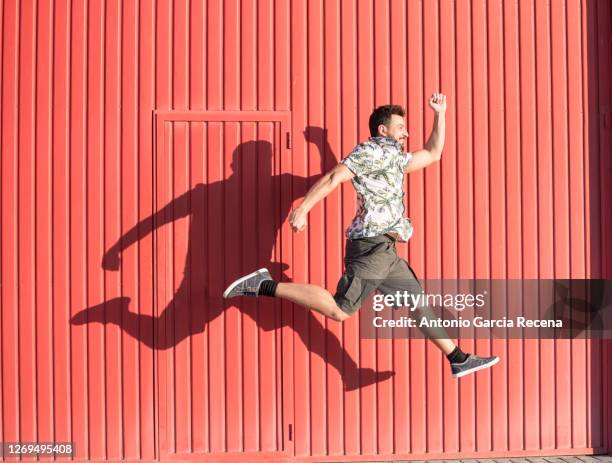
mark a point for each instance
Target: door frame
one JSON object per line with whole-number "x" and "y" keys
{"x": 286, "y": 388}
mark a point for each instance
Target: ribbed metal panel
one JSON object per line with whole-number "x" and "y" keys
{"x": 89, "y": 351}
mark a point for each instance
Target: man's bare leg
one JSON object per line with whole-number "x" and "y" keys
{"x": 313, "y": 297}
{"x": 320, "y": 300}
{"x": 445, "y": 345}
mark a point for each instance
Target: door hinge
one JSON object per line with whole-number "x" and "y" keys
{"x": 288, "y": 137}
{"x": 290, "y": 432}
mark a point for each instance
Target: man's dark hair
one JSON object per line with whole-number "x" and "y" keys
{"x": 382, "y": 115}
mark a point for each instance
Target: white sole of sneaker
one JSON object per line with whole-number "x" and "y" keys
{"x": 474, "y": 370}
{"x": 240, "y": 280}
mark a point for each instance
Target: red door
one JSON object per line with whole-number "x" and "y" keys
{"x": 223, "y": 366}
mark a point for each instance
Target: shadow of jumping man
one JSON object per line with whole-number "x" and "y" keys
{"x": 198, "y": 299}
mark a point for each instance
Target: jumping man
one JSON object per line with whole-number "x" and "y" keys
{"x": 376, "y": 168}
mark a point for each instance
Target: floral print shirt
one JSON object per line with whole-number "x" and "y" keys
{"x": 378, "y": 165}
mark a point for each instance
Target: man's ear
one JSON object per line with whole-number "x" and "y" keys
{"x": 382, "y": 129}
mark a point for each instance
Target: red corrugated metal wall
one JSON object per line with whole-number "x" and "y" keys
{"x": 105, "y": 342}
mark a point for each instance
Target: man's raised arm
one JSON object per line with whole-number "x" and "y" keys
{"x": 432, "y": 151}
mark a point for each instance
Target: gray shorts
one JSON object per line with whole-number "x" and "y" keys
{"x": 370, "y": 264}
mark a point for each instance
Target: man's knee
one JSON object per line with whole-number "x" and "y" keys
{"x": 339, "y": 315}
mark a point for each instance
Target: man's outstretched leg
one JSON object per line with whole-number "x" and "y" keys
{"x": 260, "y": 283}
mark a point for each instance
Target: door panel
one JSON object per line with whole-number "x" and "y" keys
{"x": 219, "y": 362}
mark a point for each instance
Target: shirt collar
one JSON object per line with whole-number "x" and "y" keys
{"x": 387, "y": 140}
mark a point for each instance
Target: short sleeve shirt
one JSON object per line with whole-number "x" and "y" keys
{"x": 378, "y": 165}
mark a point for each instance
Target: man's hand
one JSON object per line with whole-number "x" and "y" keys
{"x": 297, "y": 220}
{"x": 437, "y": 102}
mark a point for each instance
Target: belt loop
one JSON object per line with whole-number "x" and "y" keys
{"x": 392, "y": 237}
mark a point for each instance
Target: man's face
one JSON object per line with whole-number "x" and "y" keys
{"x": 396, "y": 129}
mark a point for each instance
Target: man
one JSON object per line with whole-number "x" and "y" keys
{"x": 376, "y": 168}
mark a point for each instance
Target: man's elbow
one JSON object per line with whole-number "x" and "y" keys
{"x": 334, "y": 180}
{"x": 435, "y": 154}
{"x": 340, "y": 174}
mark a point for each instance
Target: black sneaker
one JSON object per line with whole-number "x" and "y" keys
{"x": 472, "y": 363}
{"x": 247, "y": 285}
